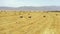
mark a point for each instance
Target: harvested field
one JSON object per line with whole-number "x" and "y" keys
{"x": 15, "y": 22}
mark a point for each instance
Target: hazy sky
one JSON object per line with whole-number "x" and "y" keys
{"x": 18, "y": 3}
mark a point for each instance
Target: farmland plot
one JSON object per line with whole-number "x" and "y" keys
{"x": 29, "y": 22}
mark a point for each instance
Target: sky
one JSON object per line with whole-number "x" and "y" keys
{"x": 18, "y": 3}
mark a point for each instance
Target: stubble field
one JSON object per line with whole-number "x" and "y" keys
{"x": 16, "y": 22}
